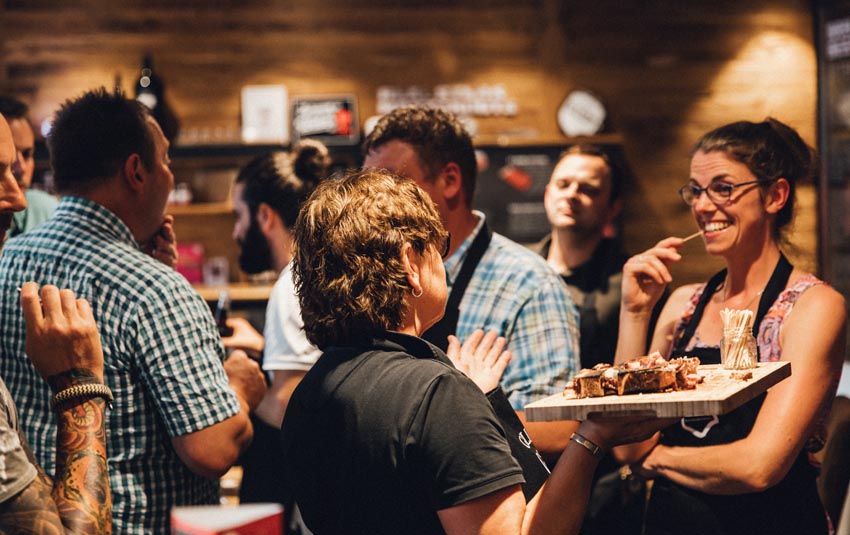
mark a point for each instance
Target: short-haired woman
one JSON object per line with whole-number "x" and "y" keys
{"x": 383, "y": 435}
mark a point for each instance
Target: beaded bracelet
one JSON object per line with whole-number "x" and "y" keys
{"x": 83, "y": 391}
{"x": 587, "y": 444}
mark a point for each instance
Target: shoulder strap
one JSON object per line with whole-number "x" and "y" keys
{"x": 707, "y": 293}
{"x": 476, "y": 251}
{"x": 778, "y": 281}
{"x": 439, "y": 332}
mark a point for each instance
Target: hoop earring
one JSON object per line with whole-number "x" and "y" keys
{"x": 414, "y": 294}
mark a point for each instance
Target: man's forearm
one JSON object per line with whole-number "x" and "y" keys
{"x": 81, "y": 484}
{"x": 81, "y": 487}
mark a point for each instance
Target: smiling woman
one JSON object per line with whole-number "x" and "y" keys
{"x": 709, "y": 479}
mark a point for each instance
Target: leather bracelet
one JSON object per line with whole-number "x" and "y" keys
{"x": 587, "y": 444}
{"x": 83, "y": 391}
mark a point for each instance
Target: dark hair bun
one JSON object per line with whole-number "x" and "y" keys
{"x": 311, "y": 160}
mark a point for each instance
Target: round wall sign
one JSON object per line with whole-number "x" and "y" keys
{"x": 581, "y": 114}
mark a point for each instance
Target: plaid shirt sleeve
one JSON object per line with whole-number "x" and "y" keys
{"x": 182, "y": 361}
{"x": 543, "y": 344}
{"x": 515, "y": 293}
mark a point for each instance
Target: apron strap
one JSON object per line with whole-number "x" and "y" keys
{"x": 775, "y": 285}
{"x": 473, "y": 257}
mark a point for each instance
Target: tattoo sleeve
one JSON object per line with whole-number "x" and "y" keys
{"x": 81, "y": 486}
{"x": 81, "y": 500}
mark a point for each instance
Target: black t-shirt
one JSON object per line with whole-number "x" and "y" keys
{"x": 595, "y": 289}
{"x": 378, "y": 438}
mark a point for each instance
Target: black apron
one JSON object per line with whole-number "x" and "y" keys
{"x": 533, "y": 468}
{"x": 792, "y": 507}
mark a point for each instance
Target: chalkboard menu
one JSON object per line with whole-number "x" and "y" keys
{"x": 833, "y": 42}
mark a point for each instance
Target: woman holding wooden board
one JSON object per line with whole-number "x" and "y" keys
{"x": 748, "y": 471}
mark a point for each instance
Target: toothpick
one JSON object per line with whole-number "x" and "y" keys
{"x": 692, "y": 236}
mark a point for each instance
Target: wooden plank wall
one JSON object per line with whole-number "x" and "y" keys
{"x": 667, "y": 70}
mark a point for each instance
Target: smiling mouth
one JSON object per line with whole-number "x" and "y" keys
{"x": 716, "y": 226}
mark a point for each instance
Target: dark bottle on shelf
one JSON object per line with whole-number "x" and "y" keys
{"x": 119, "y": 90}
{"x": 149, "y": 87}
{"x": 150, "y": 91}
{"x": 222, "y": 309}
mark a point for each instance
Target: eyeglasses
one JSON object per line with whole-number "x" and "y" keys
{"x": 447, "y": 245}
{"x": 718, "y": 192}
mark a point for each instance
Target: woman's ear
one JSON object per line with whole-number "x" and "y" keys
{"x": 777, "y": 195}
{"x": 410, "y": 260}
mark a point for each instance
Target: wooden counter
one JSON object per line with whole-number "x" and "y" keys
{"x": 239, "y": 291}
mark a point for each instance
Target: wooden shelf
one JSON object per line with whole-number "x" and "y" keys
{"x": 518, "y": 140}
{"x": 239, "y": 291}
{"x": 201, "y": 208}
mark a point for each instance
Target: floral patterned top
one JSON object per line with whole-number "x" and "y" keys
{"x": 768, "y": 338}
{"x": 771, "y": 325}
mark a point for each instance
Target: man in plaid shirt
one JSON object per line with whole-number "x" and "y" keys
{"x": 181, "y": 417}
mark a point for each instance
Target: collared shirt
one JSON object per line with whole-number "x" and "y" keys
{"x": 162, "y": 358}
{"x": 514, "y": 292}
{"x": 382, "y": 434}
{"x": 40, "y": 206}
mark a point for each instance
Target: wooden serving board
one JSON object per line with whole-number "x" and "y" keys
{"x": 717, "y": 394}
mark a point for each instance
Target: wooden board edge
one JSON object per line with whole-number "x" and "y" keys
{"x": 710, "y": 407}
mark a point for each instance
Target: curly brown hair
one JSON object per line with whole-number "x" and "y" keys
{"x": 347, "y": 265}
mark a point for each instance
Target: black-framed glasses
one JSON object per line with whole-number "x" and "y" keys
{"x": 718, "y": 192}
{"x": 446, "y": 246}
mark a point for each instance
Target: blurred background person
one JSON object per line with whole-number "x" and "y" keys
{"x": 267, "y": 196}
{"x": 582, "y": 201}
{"x": 40, "y": 204}
{"x": 748, "y": 471}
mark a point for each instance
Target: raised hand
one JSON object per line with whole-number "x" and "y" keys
{"x": 481, "y": 358}
{"x": 163, "y": 245}
{"x": 61, "y": 332}
{"x": 646, "y": 275}
{"x": 244, "y": 337}
{"x": 246, "y": 378}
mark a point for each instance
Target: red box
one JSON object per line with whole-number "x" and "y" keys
{"x": 244, "y": 519}
{"x": 190, "y": 261}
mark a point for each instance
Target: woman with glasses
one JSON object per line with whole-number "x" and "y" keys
{"x": 748, "y": 471}
{"x": 383, "y": 435}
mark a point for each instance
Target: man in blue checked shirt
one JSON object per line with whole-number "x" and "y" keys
{"x": 180, "y": 416}
{"x": 494, "y": 283}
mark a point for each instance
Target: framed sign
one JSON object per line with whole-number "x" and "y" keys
{"x": 264, "y": 117}
{"x": 329, "y": 119}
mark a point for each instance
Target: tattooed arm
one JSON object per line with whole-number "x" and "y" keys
{"x": 63, "y": 344}
{"x": 79, "y": 501}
